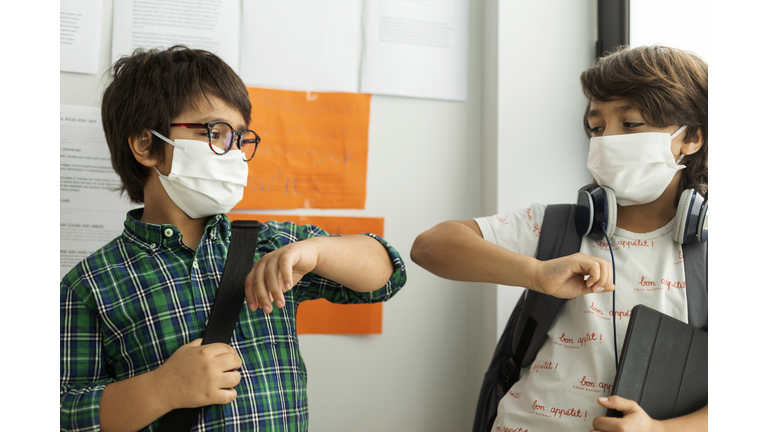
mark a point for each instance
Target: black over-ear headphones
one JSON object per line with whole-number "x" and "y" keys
{"x": 597, "y": 206}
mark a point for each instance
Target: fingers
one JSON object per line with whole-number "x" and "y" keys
{"x": 618, "y": 403}
{"x": 261, "y": 292}
{"x": 286, "y": 272}
{"x": 606, "y": 276}
{"x": 227, "y": 362}
{"x": 600, "y": 274}
{"x": 273, "y": 278}
{"x": 250, "y": 291}
{"x": 195, "y": 343}
{"x": 270, "y": 277}
{"x": 226, "y": 396}
{"x": 216, "y": 349}
{"x": 223, "y": 391}
{"x": 626, "y": 406}
{"x": 606, "y": 424}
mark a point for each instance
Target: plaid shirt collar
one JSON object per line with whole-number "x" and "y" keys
{"x": 152, "y": 236}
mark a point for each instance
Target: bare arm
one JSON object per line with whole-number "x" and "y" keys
{"x": 457, "y": 250}
{"x": 357, "y": 262}
{"x": 131, "y": 404}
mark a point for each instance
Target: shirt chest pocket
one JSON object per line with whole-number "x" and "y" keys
{"x": 269, "y": 345}
{"x": 278, "y": 327}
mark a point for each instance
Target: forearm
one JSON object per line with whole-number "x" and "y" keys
{"x": 131, "y": 404}
{"x": 696, "y": 421}
{"x": 358, "y": 262}
{"x": 456, "y": 250}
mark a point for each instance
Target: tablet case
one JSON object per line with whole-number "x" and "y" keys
{"x": 663, "y": 365}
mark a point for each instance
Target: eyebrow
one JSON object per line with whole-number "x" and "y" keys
{"x": 622, "y": 108}
{"x": 213, "y": 119}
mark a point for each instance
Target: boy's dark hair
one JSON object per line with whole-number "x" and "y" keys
{"x": 669, "y": 87}
{"x": 149, "y": 88}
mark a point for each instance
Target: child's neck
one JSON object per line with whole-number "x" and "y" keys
{"x": 160, "y": 209}
{"x": 649, "y": 217}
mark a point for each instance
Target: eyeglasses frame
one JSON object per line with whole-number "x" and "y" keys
{"x": 209, "y": 127}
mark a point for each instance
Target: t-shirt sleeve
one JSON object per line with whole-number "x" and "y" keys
{"x": 517, "y": 231}
{"x": 82, "y": 373}
{"x": 313, "y": 286}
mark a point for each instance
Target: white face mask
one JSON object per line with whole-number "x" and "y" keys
{"x": 638, "y": 167}
{"x": 201, "y": 182}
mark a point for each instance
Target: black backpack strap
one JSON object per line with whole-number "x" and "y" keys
{"x": 558, "y": 238}
{"x": 226, "y": 308}
{"x": 695, "y": 261}
{"x": 527, "y": 327}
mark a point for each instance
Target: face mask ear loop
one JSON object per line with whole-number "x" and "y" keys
{"x": 155, "y": 133}
{"x": 682, "y": 128}
{"x": 613, "y": 264}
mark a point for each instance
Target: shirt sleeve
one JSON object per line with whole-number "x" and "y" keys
{"x": 313, "y": 286}
{"x": 82, "y": 373}
{"x": 517, "y": 231}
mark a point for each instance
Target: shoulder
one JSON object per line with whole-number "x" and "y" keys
{"x": 517, "y": 231}
{"x": 84, "y": 277}
{"x": 530, "y": 217}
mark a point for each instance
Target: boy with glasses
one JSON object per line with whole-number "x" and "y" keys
{"x": 132, "y": 314}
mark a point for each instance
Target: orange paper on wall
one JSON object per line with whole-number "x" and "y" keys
{"x": 321, "y": 316}
{"x": 313, "y": 151}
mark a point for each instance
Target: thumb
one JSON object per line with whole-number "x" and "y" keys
{"x": 618, "y": 403}
{"x": 195, "y": 343}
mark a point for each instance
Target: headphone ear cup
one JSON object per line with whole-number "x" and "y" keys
{"x": 702, "y": 231}
{"x": 681, "y": 216}
{"x": 585, "y": 212}
{"x": 610, "y": 212}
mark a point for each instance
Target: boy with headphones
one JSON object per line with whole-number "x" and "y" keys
{"x": 647, "y": 123}
{"x": 133, "y": 313}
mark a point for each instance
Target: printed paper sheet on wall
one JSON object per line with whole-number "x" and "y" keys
{"x": 313, "y": 151}
{"x": 91, "y": 212}
{"x": 321, "y": 316}
{"x": 211, "y": 25}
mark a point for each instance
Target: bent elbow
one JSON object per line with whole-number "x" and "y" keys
{"x": 419, "y": 250}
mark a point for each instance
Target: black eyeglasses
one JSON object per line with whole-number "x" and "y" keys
{"x": 221, "y": 136}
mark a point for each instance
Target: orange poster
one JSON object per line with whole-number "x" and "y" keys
{"x": 313, "y": 151}
{"x": 321, "y": 316}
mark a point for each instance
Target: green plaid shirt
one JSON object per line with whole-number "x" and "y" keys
{"x": 129, "y": 306}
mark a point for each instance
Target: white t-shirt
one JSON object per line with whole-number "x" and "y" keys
{"x": 576, "y": 364}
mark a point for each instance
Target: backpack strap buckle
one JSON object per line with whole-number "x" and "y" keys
{"x": 508, "y": 369}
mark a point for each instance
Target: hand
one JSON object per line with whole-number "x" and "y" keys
{"x": 564, "y": 277}
{"x": 198, "y": 375}
{"x": 634, "y": 420}
{"x": 277, "y": 272}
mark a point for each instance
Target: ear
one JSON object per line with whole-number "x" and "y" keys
{"x": 692, "y": 146}
{"x": 140, "y": 147}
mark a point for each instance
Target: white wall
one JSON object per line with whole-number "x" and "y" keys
{"x": 541, "y": 148}
{"x": 682, "y": 25}
{"x": 431, "y": 161}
